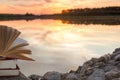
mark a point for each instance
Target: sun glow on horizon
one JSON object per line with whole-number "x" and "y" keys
{"x": 50, "y": 6}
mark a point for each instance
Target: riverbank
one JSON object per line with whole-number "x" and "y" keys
{"x": 106, "y": 67}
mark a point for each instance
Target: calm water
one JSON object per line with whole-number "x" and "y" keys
{"x": 62, "y": 47}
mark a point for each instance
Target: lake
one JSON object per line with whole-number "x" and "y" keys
{"x": 60, "y": 46}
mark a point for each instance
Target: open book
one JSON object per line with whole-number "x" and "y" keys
{"x": 11, "y": 46}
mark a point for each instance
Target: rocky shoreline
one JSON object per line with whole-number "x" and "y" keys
{"x": 106, "y": 67}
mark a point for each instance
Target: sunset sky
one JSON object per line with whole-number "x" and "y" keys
{"x": 50, "y": 6}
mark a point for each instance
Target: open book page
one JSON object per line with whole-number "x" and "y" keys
{"x": 11, "y": 46}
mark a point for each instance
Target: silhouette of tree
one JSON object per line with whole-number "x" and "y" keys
{"x": 93, "y": 11}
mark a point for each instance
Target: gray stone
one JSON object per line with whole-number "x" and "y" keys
{"x": 99, "y": 65}
{"x": 117, "y": 50}
{"x": 35, "y": 77}
{"x": 105, "y": 58}
{"x": 115, "y": 73}
{"x": 117, "y": 57}
{"x": 71, "y": 76}
{"x": 115, "y": 53}
{"x": 109, "y": 67}
{"x": 112, "y": 62}
{"x": 118, "y": 66}
{"x": 89, "y": 71}
{"x": 98, "y": 74}
{"x": 116, "y": 79}
{"x": 79, "y": 69}
{"x": 52, "y": 76}
{"x": 20, "y": 77}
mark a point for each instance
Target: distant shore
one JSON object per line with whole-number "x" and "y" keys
{"x": 104, "y": 11}
{"x": 104, "y": 16}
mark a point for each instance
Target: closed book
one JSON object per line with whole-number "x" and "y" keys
{"x": 11, "y": 64}
{"x": 10, "y": 72}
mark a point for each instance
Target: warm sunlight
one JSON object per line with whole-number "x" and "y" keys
{"x": 67, "y": 39}
{"x": 55, "y": 6}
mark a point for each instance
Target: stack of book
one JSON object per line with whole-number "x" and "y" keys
{"x": 9, "y": 68}
{"x": 12, "y": 48}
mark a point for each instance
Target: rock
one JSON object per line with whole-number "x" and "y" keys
{"x": 72, "y": 71}
{"x": 84, "y": 68}
{"x": 105, "y": 58}
{"x": 71, "y": 76}
{"x": 116, "y": 50}
{"x": 116, "y": 79}
{"x": 115, "y": 53}
{"x": 109, "y": 67}
{"x": 79, "y": 69}
{"x": 117, "y": 57}
{"x": 98, "y": 74}
{"x": 118, "y": 66}
{"x": 52, "y": 76}
{"x": 35, "y": 77}
{"x": 112, "y": 62}
{"x": 89, "y": 71}
{"x": 99, "y": 65}
{"x": 20, "y": 77}
{"x": 63, "y": 77}
{"x": 115, "y": 73}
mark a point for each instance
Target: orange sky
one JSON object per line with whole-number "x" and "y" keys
{"x": 50, "y": 6}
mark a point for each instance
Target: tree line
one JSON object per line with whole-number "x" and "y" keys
{"x": 92, "y": 11}
{"x": 27, "y": 16}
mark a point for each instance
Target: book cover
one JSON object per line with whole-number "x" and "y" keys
{"x": 8, "y": 63}
{"x": 10, "y": 72}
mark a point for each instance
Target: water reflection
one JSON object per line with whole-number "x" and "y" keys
{"x": 104, "y": 20}
{"x": 62, "y": 47}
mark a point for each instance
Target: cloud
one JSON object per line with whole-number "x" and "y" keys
{"x": 48, "y": 0}
{"x": 55, "y": 6}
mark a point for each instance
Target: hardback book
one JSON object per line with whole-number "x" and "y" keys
{"x": 9, "y": 71}
{"x": 8, "y": 63}
{"x": 11, "y": 46}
